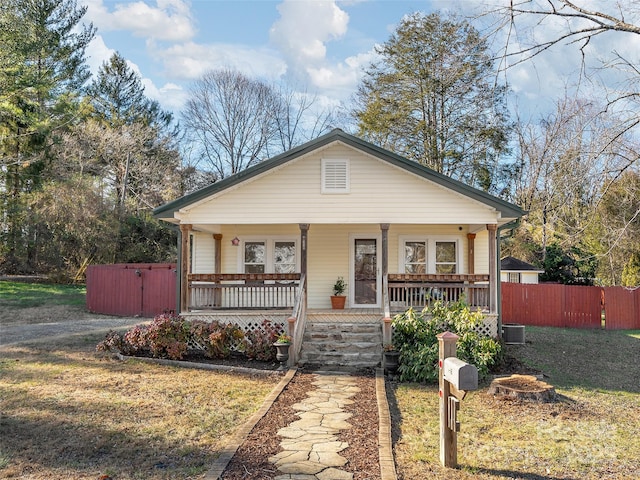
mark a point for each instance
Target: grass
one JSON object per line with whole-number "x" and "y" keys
{"x": 70, "y": 413}
{"x": 25, "y": 295}
{"x": 591, "y": 433}
{"x": 67, "y": 411}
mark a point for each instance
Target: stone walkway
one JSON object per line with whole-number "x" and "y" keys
{"x": 311, "y": 450}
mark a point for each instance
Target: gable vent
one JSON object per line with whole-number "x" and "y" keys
{"x": 335, "y": 176}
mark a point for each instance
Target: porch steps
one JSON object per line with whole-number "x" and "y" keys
{"x": 342, "y": 345}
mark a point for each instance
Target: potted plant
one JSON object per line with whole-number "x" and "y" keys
{"x": 338, "y": 299}
{"x": 282, "y": 344}
{"x": 391, "y": 358}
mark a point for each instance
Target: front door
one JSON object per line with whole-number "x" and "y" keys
{"x": 365, "y": 276}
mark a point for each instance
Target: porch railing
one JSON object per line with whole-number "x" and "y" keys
{"x": 420, "y": 291}
{"x": 208, "y": 291}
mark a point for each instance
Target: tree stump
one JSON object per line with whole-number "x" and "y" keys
{"x": 523, "y": 387}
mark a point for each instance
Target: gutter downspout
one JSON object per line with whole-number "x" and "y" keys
{"x": 511, "y": 226}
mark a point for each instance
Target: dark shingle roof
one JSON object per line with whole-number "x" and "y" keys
{"x": 511, "y": 263}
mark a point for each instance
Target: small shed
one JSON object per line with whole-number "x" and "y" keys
{"x": 513, "y": 270}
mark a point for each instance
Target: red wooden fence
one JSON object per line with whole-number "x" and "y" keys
{"x": 621, "y": 308}
{"x": 553, "y": 305}
{"x": 136, "y": 289}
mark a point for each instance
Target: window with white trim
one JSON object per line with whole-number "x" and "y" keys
{"x": 335, "y": 176}
{"x": 513, "y": 277}
{"x": 415, "y": 257}
{"x": 429, "y": 255}
{"x": 446, "y": 257}
{"x": 270, "y": 255}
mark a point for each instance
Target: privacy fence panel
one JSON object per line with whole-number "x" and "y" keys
{"x": 136, "y": 289}
{"x": 552, "y": 305}
{"x": 542, "y": 306}
{"x": 622, "y": 308}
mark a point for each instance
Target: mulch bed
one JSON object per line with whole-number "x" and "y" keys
{"x": 251, "y": 460}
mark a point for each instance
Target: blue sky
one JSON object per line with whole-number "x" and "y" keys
{"x": 322, "y": 45}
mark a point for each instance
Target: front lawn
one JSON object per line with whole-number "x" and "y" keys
{"x": 69, "y": 412}
{"x": 591, "y": 433}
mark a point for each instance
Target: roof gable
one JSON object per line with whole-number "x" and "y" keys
{"x": 514, "y": 264}
{"x": 506, "y": 209}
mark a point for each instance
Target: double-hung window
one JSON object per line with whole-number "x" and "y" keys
{"x": 269, "y": 255}
{"x": 429, "y": 255}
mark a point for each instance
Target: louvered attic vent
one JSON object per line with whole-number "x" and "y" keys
{"x": 335, "y": 176}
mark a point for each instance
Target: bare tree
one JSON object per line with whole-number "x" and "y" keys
{"x": 232, "y": 120}
{"x": 300, "y": 118}
{"x": 573, "y": 23}
{"x": 568, "y": 178}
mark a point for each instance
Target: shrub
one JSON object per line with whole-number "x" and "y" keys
{"x": 165, "y": 337}
{"x": 219, "y": 339}
{"x": 415, "y": 335}
{"x": 169, "y": 336}
{"x": 258, "y": 344}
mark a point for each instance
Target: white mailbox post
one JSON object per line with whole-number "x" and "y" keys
{"x": 456, "y": 378}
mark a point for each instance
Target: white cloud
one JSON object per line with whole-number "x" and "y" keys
{"x": 172, "y": 97}
{"x": 169, "y": 20}
{"x": 190, "y": 60}
{"x": 304, "y": 28}
{"x": 98, "y": 53}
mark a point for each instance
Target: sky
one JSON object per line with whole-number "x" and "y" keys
{"x": 320, "y": 46}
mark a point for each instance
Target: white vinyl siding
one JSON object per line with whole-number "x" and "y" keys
{"x": 292, "y": 194}
{"x": 202, "y": 253}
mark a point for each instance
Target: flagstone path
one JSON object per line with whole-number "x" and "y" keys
{"x": 311, "y": 449}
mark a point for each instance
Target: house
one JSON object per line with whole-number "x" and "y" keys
{"x": 513, "y": 270}
{"x": 270, "y": 242}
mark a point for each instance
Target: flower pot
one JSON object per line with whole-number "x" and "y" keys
{"x": 282, "y": 354}
{"x": 338, "y": 301}
{"x": 391, "y": 361}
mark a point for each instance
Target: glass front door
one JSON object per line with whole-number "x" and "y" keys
{"x": 365, "y": 272}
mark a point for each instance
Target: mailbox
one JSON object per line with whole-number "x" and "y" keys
{"x": 461, "y": 375}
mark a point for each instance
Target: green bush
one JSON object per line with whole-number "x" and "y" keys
{"x": 415, "y": 336}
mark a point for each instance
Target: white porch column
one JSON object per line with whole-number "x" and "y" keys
{"x": 493, "y": 268}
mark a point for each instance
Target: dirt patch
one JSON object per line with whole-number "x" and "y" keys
{"x": 48, "y": 314}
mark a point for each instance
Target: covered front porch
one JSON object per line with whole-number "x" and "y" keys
{"x": 375, "y": 294}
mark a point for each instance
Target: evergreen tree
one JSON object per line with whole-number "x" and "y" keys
{"x": 42, "y": 69}
{"x": 431, "y": 98}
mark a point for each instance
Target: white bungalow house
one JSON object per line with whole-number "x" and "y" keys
{"x": 271, "y": 241}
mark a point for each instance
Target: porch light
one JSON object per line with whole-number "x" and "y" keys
{"x": 235, "y": 242}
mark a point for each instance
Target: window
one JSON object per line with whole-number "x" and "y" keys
{"x": 513, "y": 277}
{"x": 415, "y": 257}
{"x": 446, "y": 257}
{"x": 335, "y": 176}
{"x": 429, "y": 255}
{"x": 284, "y": 257}
{"x": 269, "y": 256}
{"x": 255, "y": 257}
